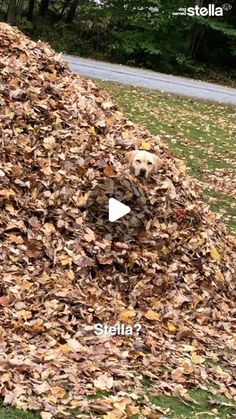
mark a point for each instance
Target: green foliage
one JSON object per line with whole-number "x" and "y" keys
{"x": 138, "y": 32}
{"x": 25, "y": 25}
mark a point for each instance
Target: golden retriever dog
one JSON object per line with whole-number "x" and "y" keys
{"x": 143, "y": 163}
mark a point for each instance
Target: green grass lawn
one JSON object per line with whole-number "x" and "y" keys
{"x": 205, "y": 406}
{"x": 202, "y": 133}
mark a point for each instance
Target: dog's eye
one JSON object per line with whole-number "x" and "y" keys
{"x": 150, "y": 163}
{"x": 138, "y": 161}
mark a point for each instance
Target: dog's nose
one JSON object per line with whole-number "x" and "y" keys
{"x": 142, "y": 172}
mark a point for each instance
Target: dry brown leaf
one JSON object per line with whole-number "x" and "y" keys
{"x": 171, "y": 327}
{"x": 215, "y": 254}
{"x": 126, "y": 314}
{"x": 75, "y": 346}
{"x": 49, "y": 142}
{"x": 152, "y": 315}
{"x": 197, "y": 359}
{"x": 58, "y": 392}
{"x": 46, "y": 415}
{"x": 108, "y": 171}
{"x": 103, "y": 382}
{"x": 4, "y": 301}
{"x": 145, "y": 145}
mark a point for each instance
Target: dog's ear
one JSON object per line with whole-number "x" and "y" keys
{"x": 130, "y": 155}
{"x": 158, "y": 163}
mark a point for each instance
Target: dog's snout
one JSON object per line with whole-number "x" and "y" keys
{"x": 142, "y": 172}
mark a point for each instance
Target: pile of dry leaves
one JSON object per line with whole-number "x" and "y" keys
{"x": 168, "y": 265}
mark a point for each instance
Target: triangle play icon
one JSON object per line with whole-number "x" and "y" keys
{"x": 117, "y": 210}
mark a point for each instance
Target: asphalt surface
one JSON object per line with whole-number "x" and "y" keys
{"x": 151, "y": 80}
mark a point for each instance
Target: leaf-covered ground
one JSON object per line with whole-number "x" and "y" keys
{"x": 168, "y": 266}
{"x": 203, "y": 405}
{"x": 202, "y": 133}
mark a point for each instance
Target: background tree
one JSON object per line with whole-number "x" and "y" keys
{"x": 31, "y": 10}
{"x": 11, "y": 12}
{"x": 43, "y": 8}
{"x": 72, "y": 11}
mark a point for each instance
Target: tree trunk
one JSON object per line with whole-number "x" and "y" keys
{"x": 198, "y": 42}
{"x": 11, "y": 12}
{"x": 20, "y": 8}
{"x": 43, "y": 8}
{"x": 194, "y": 33}
{"x": 64, "y": 7}
{"x": 31, "y": 10}
{"x": 72, "y": 11}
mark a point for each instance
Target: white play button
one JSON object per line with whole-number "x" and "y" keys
{"x": 117, "y": 210}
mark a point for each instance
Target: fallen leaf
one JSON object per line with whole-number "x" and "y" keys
{"x": 126, "y": 314}
{"x": 145, "y": 145}
{"x": 103, "y": 382}
{"x": 75, "y": 346}
{"x": 171, "y": 327}
{"x": 58, "y": 392}
{"x": 152, "y": 315}
{"x": 46, "y": 415}
{"x": 4, "y": 301}
{"x": 196, "y": 359}
{"x": 108, "y": 171}
{"x": 49, "y": 142}
{"x": 107, "y": 105}
{"x": 215, "y": 254}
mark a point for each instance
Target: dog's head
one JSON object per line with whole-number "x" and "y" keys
{"x": 143, "y": 162}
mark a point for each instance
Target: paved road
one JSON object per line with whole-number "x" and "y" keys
{"x": 152, "y": 80}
